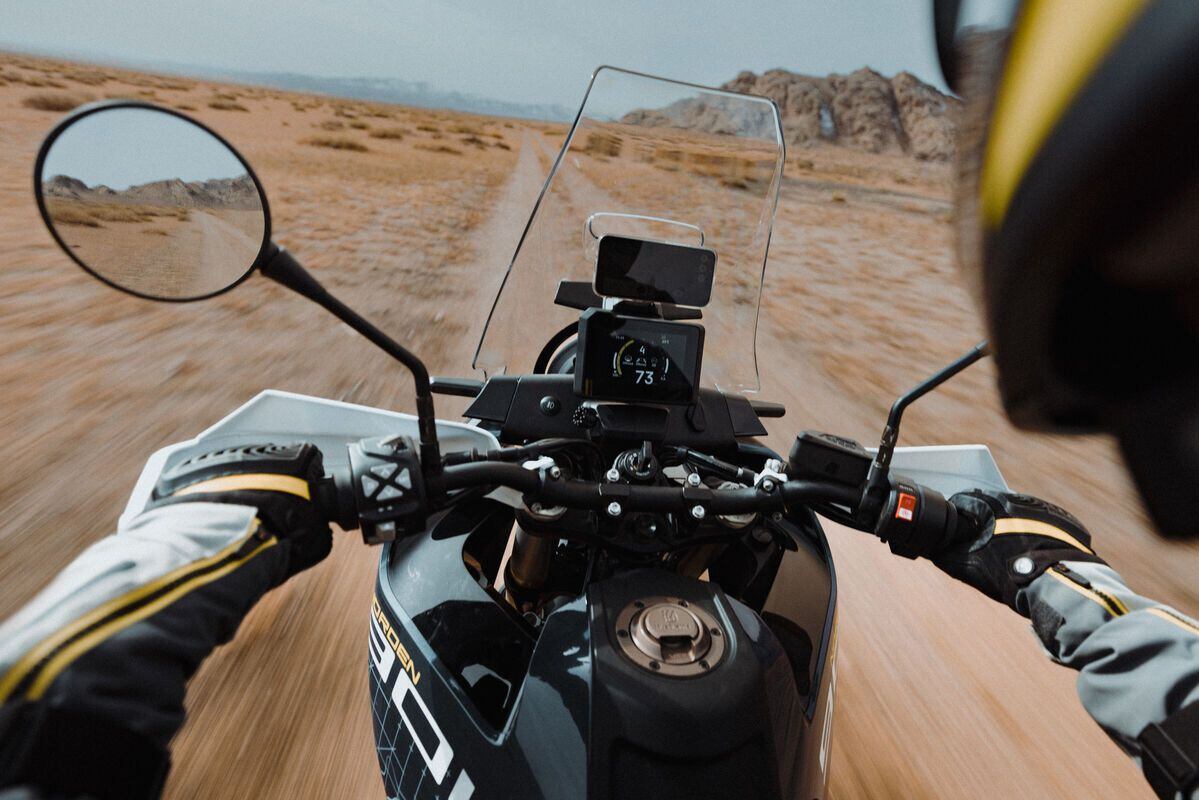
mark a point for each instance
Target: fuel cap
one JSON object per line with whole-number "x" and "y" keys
{"x": 670, "y": 636}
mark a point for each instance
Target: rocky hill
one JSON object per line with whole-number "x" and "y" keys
{"x": 239, "y": 192}
{"x": 863, "y": 110}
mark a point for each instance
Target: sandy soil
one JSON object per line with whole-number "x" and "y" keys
{"x": 942, "y": 694}
{"x": 177, "y": 252}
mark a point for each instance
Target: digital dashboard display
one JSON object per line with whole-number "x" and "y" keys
{"x": 655, "y": 272}
{"x": 637, "y": 360}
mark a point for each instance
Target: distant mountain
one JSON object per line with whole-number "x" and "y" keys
{"x": 408, "y": 93}
{"x": 384, "y": 90}
{"x": 237, "y": 193}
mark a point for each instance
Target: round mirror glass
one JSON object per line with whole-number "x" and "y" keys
{"x": 151, "y": 202}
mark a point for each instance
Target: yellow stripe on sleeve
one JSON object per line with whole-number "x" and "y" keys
{"x": 43, "y": 648}
{"x": 1175, "y": 619}
{"x": 1113, "y": 605}
{"x": 73, "y": 651}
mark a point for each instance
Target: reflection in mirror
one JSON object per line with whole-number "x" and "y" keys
{"x": 153, "y": 203}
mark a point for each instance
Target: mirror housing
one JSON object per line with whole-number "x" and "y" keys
{"x": 151, "y": 202}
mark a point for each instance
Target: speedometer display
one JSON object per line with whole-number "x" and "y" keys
{"x": 635, "y": 359}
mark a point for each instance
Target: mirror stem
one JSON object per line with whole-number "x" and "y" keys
{"x": 281, "y": 267}
{"x": 877, "y": 484}
{"x": 891, "y": 431}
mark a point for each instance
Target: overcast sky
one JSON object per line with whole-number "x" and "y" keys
{"x": 525, "y": 51}
{"x": 133, "y": 146}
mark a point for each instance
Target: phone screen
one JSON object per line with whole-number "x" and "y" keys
{"x": 635, "y": 269}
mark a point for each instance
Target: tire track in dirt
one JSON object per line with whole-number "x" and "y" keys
{"x": 309, "y": 635}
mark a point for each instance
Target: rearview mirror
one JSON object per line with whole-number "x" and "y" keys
{"x": 151, "y": 202}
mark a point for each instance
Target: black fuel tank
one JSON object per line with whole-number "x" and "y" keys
{"x": 733, "y": 729}
{"x": 572, "y": 713}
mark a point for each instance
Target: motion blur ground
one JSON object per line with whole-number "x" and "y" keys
{"x": 942, "y": 690}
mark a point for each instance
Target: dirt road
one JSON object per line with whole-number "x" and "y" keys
{"x": 942, "y": 694}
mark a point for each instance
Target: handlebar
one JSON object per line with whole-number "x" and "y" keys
{"x": 386, "y": 493}
{"x": 598, "y": 496}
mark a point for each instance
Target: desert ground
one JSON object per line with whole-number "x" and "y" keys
{"x": 411, "y": 216}
{"x": 160, "y": 251}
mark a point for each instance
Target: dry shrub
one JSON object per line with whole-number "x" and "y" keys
{"x": 603, "y": 144}
{"x": 475, "y": 140}
{"x": 331, "y": 125}
{"x": 838, "y": 197}
{"x": 501, "y": 146}
{"x": 226, "y": 105}
{"x": 337, "y": 143}
{"x": 155, "y": 232}
{"x": 91, "y": 214}
{"x": 428, "y": 128}
{"x": 389, "y": 133}
{"x": 185, "y": 107}
{"x": 89, "y": 77}
{"x": 470, "y": 129}
{"x": 439, "y": 148}
{"x": 44, "y": 83}
{"x": 63, "y": 214}
{"x": 359, "y": 125}
{"x": 55, "y": 101}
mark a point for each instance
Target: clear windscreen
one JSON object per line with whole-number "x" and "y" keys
{"x": 649, "y": 158}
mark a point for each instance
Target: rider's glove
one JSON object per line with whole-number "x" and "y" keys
{"x": 1005, "y": 541}
{"x": 279, "y": 480}
{"x": 93, "y": 670}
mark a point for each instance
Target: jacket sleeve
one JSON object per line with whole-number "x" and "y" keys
{"x": 93, "y": 671}
{"x": 1138, "y": 664}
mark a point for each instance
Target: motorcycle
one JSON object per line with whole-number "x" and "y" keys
{"x": 580, "y": 590}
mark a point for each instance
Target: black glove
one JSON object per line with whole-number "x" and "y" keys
{"x": 279, "y": 480}
{"x": 1005, "y": 541}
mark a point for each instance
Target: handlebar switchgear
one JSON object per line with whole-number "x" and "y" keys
{"x": 388, "y": 488}
{"x": 916, "y": 520}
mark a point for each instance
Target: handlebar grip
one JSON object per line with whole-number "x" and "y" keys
{"x": 918, "y": 521}
{"x": 334, "y": 496}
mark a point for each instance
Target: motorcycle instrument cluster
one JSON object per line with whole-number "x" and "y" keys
{"x": 633, "y": 359}
{"x": 654, "y": 272}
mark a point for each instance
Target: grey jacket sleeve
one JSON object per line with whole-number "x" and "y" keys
{"x": 1138, "y": 661}
{"x": 93, "y": 671}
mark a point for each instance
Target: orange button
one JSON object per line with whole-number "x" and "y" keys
{"x": 906, "y": 508}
